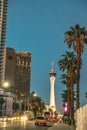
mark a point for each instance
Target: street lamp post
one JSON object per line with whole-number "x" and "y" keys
{"x": 35, "y": 113}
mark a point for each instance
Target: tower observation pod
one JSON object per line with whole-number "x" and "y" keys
{"x": 52, "y": 94}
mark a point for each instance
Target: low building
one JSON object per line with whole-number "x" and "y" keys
{"x": 6, "y": 103}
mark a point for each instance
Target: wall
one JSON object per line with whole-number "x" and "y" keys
{"x": 81, "y": 118}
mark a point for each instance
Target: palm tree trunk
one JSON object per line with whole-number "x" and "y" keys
{"x": 69, "y": 102}
{"x": 78, "y": 79}
{"x": 72, "y": 102}
{"x": 70, "y": 93}
{"x": 71, "y": 84}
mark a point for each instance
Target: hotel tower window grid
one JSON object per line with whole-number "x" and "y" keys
{"x": 3, "y": 17}
{"x": 22, "y": 79}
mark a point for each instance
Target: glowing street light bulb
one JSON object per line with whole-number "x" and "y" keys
{"x": 6, "y": 84}
{"x": 35, "y": 94}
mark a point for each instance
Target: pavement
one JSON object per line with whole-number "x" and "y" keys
{"x": 62, "y": 126}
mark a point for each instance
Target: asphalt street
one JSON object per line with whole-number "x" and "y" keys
{"x": 30, "y": 125}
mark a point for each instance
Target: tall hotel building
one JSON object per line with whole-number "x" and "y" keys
{"x": 9, "y": 73}
{"x": 3, "y": 16}
{"x": 22, "y": 76}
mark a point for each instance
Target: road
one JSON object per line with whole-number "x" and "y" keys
{"x": 29, "y": 125}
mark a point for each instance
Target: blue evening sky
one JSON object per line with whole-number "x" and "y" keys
{"x": 38, "y": 26}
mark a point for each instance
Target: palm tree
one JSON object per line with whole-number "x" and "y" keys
{"x": 76, "y": 38}
{"x": 68, "y": 63}
{"x": 36, "y": 103}
{"x": 64, "y": 96}
{"x": 66, "y": 93}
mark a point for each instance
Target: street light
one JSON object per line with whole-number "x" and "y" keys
{"x": 6, "y": 84}
{"x": 35, "y": 94}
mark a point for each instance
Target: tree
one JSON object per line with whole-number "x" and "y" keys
{"x": 68, "y": 63}
{"x": 64, "y": 96}
{"x": 36, "y": 103}
{"x": 1, "y": 103}
{"x": 76, "y": 38}
{"x": 66, "y": 93}
{"x": 15, "y": 106}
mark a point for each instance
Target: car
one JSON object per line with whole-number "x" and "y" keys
{"x": 55, "y": 119}
{"x": 40, "y": 121}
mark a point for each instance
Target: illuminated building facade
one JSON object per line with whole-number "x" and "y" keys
{"x": 22, "y": 76}
{"x": 3, "y": 17}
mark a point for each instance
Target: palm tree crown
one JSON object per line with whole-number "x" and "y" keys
{"x": 68, "y": 61}
{"x": 76, "y": 37}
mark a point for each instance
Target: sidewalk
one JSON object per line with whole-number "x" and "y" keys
{"x": 71, "y": 127}
{"x": 61, "y": 126}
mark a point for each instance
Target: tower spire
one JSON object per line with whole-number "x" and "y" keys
{"x": 52, "y": 72}
{"x": 52, "y": 66}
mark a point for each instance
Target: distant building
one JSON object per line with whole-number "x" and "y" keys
{"x": 22, "y": 76}
{"x": 9, "y": 75}
{"x": 3, "y": 16}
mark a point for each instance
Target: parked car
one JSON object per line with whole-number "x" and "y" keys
{"x": 40, "y": 121}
